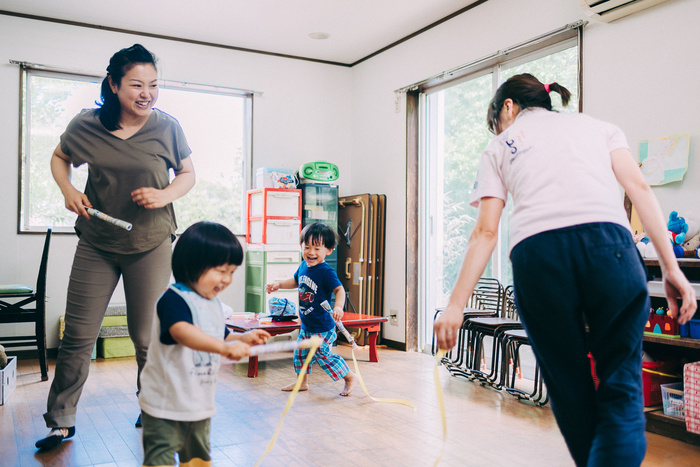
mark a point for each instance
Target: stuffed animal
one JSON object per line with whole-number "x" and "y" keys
{"x": 649, "y": 250}
{"x": 678, "y": 251}
{"x": 641, "y": 240}
{"x": 691, "y": 244}
{"x": 3, "y": 357}
{"x": 678, "y": 228}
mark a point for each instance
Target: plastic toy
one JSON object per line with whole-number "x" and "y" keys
{"x": 662, "y": 324}
{"x": 281, "y": 309}
{"x": 691, "y": 246}
{"x": 678, "y": 228}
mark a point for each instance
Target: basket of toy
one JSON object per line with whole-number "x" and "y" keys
{"x": 672, "y": 396}
{"x": 281, "y": 309}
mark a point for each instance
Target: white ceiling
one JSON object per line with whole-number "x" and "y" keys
{"x": 357, "y": 28}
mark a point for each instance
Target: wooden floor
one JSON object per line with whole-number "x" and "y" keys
{"x": 485, "y": 427}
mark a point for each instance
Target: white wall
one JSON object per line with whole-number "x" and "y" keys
{"x": 303, "y": 115}
{"x": 638, "y": 73}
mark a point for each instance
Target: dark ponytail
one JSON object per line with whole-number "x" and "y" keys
{"x": 120, "y": 63}
{"x": 526, "y": 91}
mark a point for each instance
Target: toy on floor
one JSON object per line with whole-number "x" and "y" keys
{"x": 662, "y": 324}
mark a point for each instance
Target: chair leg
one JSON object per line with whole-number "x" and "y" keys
{"x": 432, "y": 346}
{"x": 460, "y": 367}
{"x": 40, "y": 330}
{"x": 536, "y": 395}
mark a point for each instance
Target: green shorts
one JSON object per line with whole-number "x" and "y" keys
{"x": 163, "y": 438}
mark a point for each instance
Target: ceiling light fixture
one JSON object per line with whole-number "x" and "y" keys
{"x": 319, "y": 35}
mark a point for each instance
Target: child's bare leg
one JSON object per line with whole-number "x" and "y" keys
{"x": 350, "y": 382}
{"x": 304, "y": 385}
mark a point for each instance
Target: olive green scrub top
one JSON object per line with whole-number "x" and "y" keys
{"x": 116, "y": 167}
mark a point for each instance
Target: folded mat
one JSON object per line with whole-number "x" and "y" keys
{"x": 109, "y": 321}
{"x": 114, "y": 331}
{"x": 113, "y": 347}
{"x": 116, "y": 310}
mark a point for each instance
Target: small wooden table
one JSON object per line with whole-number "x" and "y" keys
{"x": 350, "y": 320}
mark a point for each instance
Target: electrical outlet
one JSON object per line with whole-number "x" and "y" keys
{"x": 393, "y": 318}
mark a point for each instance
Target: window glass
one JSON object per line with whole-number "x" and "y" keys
{"x": 213, "y": 124}
{"x": 459, "y": 135}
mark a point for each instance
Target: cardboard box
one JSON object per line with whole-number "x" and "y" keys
{"x": 8, "y": 382}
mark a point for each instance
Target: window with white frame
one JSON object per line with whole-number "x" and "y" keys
{"x": 454, "y": 134}
{"x": 214, "y": 120}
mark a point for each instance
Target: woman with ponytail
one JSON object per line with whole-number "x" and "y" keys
{"x": 129, "y": 148}
{"x": 575, "y": 264}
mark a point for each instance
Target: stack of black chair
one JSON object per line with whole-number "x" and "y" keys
{"x": 491, "y": 312}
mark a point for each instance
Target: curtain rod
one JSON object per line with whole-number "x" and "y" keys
{"x": 535, "y": 40}
{"x": 167, "y": 83}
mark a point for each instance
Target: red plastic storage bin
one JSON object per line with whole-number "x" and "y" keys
{"x": 654, "y": 374}
{"x": 273, "y": 216}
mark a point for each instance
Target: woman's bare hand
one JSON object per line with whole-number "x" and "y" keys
{"x": 150, "y": 198}
{"x": 77, "y": 202}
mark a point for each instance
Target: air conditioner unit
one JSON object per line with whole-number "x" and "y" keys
{"x": 610, "y": 10}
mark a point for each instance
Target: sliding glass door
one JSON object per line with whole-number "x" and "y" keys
{"x": 454, "y": 134}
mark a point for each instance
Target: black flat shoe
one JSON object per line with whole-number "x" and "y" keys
{"x": 55, "y": 437}
{"x": 138, "y": 422}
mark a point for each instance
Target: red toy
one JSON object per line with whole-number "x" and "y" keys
{"x": 661, "y": 324}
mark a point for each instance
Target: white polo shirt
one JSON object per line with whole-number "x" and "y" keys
{"x": 558, "y": 169}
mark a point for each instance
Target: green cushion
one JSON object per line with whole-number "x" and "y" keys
{"x": 15, "y": 288}
{"x": 109, "y": 321}
{"x": 115, "y": 347}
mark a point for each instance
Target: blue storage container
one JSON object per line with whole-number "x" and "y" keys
{"x": 694, "y": 325}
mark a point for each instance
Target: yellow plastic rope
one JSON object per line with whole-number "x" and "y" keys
{"x": 316, "y": 341}
{"x": 375, "y": 399}
{"x": 662, "y": 374}
{"x": 441, "y": 403}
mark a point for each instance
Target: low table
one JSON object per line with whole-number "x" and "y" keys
{"x": 350, "y": 320}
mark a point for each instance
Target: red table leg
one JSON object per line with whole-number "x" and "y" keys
{"x": 373, "y": 346}
{"x": 252, "y": 366}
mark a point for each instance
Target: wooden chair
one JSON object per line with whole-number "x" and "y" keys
{"x": 18, "y": 313}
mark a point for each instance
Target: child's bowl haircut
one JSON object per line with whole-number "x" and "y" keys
{"x": 203, "y": 246}
{"x": 318, "y": 233}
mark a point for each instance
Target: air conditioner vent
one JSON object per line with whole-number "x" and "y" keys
{"x": 610, "y": 10}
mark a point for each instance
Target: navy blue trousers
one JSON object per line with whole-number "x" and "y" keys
{"x": 567, "y": 278}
